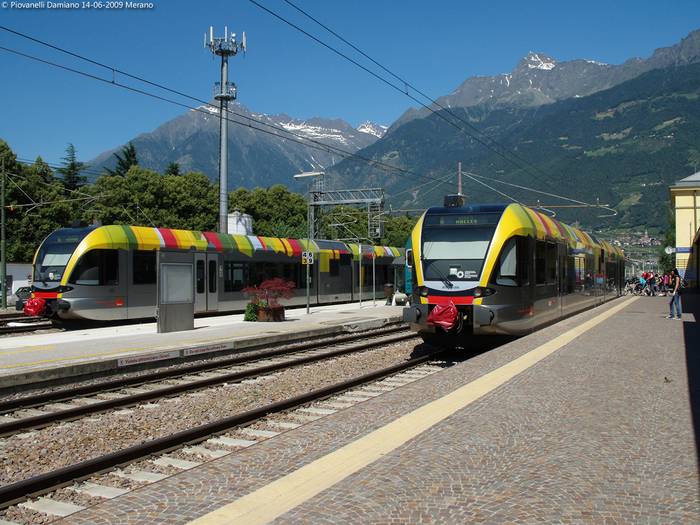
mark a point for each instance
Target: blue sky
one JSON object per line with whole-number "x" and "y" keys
{"x": 435, "y": 45}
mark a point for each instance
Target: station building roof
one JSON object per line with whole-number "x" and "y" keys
{"x": 688, "y": 182}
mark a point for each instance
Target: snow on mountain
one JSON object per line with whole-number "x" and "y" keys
{"x": 372, "y": 129}
{"x": 538, "y": 79}
{"x": 534, "y": 61}
{"x": 315, "y": 132}
{"x": 263, "y": 149}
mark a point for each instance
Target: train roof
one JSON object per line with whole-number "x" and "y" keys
{"x": 468, "y": 208}
{"x": 150, "y": 238}
{"x": 528, "y": 221}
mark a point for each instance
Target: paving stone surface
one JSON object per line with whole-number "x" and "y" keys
{"x": 601, "y": 431}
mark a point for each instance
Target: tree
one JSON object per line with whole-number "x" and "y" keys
{"x": 667, "y": 262}
{"x": 36, "y": 205}
{"x": 397, "y": 230}
{"x": 173, "y": 169}
{"x": 71, "y": 169}
{"x": 42, "y": 170}
{"x": 144, "y": 197}
{"x": 125, "y": 161}
{"x": 276, "y": 211}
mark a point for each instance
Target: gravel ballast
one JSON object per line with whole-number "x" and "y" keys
{"x": 64, "y": 444}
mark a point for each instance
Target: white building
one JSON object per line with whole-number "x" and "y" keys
{"x": 18, "y": 275}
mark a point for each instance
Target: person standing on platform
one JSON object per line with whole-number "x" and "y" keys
{"x": 675, "y": 295}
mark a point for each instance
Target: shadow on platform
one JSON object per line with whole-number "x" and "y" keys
{"x": 691, "y": 334}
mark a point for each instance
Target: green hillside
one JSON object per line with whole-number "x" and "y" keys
{"x": 623, "y": 146}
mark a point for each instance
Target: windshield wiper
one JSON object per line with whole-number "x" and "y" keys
{"x": 445, "y": 280}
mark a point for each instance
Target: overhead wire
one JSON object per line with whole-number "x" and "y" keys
{"x": 489, "y": 145}
{"x": 318, "y": 145}
{"x": 502, "y": 194}
{"x": 492, "y": 142}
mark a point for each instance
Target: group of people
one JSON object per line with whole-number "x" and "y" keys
{"x": 668, "y": 284}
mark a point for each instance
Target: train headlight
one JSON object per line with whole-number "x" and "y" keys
{"x": 423, "y": 291}
{"x": 480, "y": 291}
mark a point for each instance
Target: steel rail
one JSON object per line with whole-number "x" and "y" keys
{"x": 42, "y": 483}
{"x": 19, "y": 316}
{"x": 115, "y": 384}
{"x": 42, "y": 420}
{"x": 28, "y": 328}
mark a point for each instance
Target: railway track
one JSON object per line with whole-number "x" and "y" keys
{"x": 77, "y": 390}
{"x": 196, "y": 377}
{"x": 207, "y": 440}
{"x": 14, "y": 323}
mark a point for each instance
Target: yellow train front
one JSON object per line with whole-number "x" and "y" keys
{"x": 503, "y": 269}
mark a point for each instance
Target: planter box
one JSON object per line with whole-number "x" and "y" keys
{"x": 271, "y": 314}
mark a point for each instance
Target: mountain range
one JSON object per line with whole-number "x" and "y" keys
{"x": 539, "y": 79}
{"x": 257, "y": 153}
{"x": 617, "y": 133}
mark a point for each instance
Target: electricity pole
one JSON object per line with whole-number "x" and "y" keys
{"x": 3, "y": 260}
{"x": 224, "y": 91}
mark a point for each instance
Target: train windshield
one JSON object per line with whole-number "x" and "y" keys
{"x": 454, "y": 249}
{"x": 55, "y": 252}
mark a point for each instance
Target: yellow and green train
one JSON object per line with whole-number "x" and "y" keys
{"x": 506, "y": 268}
{"x": 109, "y": 272}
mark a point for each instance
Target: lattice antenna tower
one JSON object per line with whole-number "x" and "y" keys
{"x": 224, "y": 91}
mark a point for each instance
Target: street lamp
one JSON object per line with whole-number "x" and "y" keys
{"x": 313, "y": 176}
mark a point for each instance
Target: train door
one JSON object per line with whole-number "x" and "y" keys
{"x": 212, "y": 282}
{"x": 200, "y": 282}
{"x": 562, "y": 277}
{"x": 206, "y": 282}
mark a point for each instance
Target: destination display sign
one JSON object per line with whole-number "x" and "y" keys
{"x": 474, "y": 219}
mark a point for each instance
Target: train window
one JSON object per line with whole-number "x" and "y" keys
{"x": 97, "y": 267}
{"x": 334, "y": 268}
{"x": 144, "y": 267}
{"x": 212, "y": 276}
{"x": 508, "y": 264}
{"x": 289, "y": 272}
{"x": 551, "y": 256}
{"x": 540, "y": 264}
{"x": 409, "y": 258}
{"x": 200, "y": 276}
{"x": 235, "y": 276}
{"x": 524, "y": 261}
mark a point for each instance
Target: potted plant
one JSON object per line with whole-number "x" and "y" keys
{"x": 264, "y": 304}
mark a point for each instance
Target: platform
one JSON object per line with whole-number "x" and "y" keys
{"x": 55, "y": 355}
{"x": 593, "y": 420}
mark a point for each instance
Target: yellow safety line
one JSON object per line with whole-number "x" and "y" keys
{"x": 25, "y": 349}
{"x": 284, "y": 494}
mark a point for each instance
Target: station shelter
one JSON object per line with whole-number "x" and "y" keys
{"x": 685, "y": 200}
